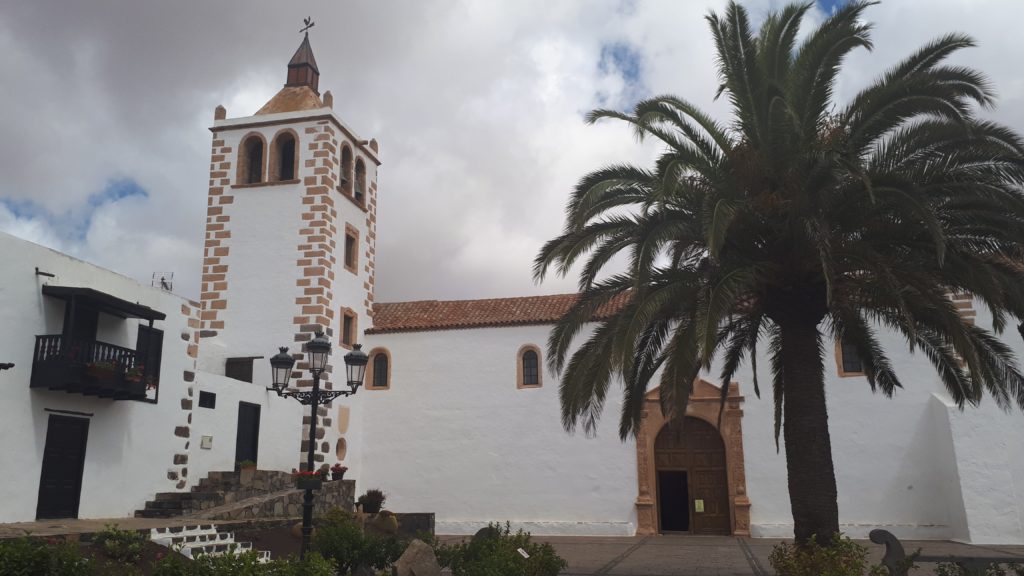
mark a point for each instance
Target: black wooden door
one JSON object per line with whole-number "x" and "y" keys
{"x": 60, "y": 482}
{"x": 149, "y": 345}
{"x": 673, "y": 501}
{"x": 247, "y": 442}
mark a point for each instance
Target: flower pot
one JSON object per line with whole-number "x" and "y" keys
{"x": 338, "y": 475}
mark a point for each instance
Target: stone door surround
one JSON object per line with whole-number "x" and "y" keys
{"x": 704, "y": 404}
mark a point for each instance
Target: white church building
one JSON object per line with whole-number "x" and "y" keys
{"x": 458, "y": 415}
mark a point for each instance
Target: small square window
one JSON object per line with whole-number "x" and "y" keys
{"x": 350, "y": 251}
{"x": 207, "y": 399}
{"x": 348, "y": 328}
{"x": 351, "y": 254}
{"x": 239, "y": 368}
{"x": 850, "y": 363}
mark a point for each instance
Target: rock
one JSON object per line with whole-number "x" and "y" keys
{"x": 417, "y": 560}
{"x": 384, "y": 523}
{"x": 486, "y": 533}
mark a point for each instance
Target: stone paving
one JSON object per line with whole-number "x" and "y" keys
{"x": 714, "y": 555}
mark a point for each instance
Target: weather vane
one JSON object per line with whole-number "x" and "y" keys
{"x": 309, "y": 24}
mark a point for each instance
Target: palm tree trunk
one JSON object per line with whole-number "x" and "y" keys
{"x": 812, "y": 479}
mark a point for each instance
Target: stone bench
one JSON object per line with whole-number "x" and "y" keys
{"x": 898, "y": 564}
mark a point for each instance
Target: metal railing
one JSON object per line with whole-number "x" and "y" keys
{"x": 54, "y": 347}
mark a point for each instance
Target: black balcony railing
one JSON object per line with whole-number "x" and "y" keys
{"x": 88, "y": 367}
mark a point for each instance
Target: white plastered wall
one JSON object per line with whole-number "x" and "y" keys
{"x": 131, "y": 444}
{"x": 280, "y": 423}
{"x": 913, "y": 464}
{"x": 453, "y": 435}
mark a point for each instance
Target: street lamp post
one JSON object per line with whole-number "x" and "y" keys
{"x": 281, "y": 364}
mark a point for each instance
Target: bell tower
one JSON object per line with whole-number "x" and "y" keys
{"x": 290, "y": 232}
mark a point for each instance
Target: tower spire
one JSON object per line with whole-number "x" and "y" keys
{"x": 302, "y": 69}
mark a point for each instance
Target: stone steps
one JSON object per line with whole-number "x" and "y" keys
{"x": 216, "y": 489}
{"x": 201, "y": 539}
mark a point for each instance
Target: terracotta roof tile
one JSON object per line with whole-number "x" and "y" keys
{"x": 292, "y": 99}
{"x": 427, "y": 315}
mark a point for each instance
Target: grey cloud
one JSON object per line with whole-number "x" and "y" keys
{"x": 477, "y": 106}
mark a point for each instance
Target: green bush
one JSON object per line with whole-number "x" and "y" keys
{"x": 242, "y": 564}
{"x": 340, "y": 539}
{"x": 371, "y": 501}
{"x": 499, "y": 556}
{"x": 23, "y": 557}
{"x": 948, "y": 569}
{"x": 843, "y": 557}
{"x": 121, "y": 545}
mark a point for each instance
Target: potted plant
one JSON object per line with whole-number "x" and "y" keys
{"x": 136, "y": 380}
{"x": 338, "y": 471}
{"x": 371, "y": 501}
{"x": 135, "y": 373}
{"x": 246, "y": 471}
{"x": 307, "y": 479}
{"x": 103, "y": 370}
{"x": 105, "y": 376}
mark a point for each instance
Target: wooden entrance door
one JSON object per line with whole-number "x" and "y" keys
{"x": 60, "y": 482}
{"x": 693, "y": 446}
{"x": 247, "y": 442}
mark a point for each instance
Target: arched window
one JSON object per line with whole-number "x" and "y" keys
{"x": 378, "y": 373}
{"x": 284, "y": 157}
{"x": 250, "y": 163}
{"x": 848, "y": 360}
{"x": 346, "y": 169}
{"x": 360, "y": 187}
{"x": 528, "y": 372}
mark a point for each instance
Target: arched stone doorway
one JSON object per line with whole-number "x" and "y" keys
{"x": 693, "y": 491}
{"x": 694, "y": 445}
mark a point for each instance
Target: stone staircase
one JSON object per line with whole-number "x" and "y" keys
{"x": 217, "y": 489}
{"x": 201, "y": 539}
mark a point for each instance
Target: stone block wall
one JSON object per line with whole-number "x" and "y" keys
{"x": 336, "y": 494}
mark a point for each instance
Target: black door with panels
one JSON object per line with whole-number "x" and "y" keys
{"x": 247, "y": 442}
{"x": 60, "y": 482}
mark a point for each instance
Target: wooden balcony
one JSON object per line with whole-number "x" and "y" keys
{"x": 92, "y": 368}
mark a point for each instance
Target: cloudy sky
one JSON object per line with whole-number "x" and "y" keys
{"x": 477, "y": 105}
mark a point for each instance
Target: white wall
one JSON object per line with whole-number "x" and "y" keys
{"x": 263, "y": 259}
{"x": 131, "y": 444}
{"x": 280, "y": 424}
{"x": 456, "y": 437}
{"x": 913, "y": 464}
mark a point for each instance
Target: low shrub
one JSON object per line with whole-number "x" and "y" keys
{"x": 242, "y": 564}
{"x": 949, "y": 569}
{"x": 120, "y": 545}
{"x": 22, "y": 556}
{"x": 371, "y": 501}
{"x": 339, "y": 538}
{"x": 499, "y": 555}
{"x": 843, "y": 557}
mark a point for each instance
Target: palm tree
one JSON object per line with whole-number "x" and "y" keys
{"x": 800, "y": 219}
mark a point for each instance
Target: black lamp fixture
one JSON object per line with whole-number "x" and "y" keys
{"x": 355, "y": 366}
{"x": 318, "y": 349}
{"x": 281, "y": 364}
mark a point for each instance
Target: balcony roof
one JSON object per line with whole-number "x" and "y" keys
{"x": 104, "y": 302}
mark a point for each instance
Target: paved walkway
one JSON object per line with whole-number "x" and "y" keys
{"x": 600, "y": 556}
{"x": 715, "y": 555}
